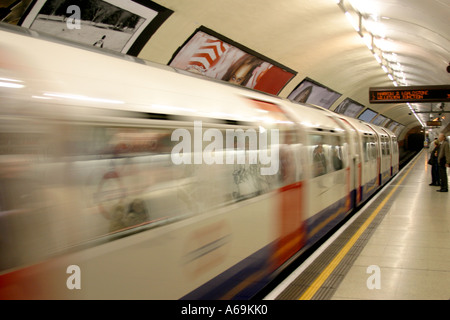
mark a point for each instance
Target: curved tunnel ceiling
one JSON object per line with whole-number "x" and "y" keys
{"x": 315, "y": 38}
{"x": 414, "y": 37}
{"x": 318, "y": 40}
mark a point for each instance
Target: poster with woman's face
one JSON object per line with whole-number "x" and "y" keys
{"x": 215, "y": 58}
{"x": 349, "y": 108}
{"x": 310, "y": 92}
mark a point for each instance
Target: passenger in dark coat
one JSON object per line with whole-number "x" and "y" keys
{"x": 444, "y": 162}
{"x": 435, "y": 181}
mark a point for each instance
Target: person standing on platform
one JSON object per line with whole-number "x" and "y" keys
{"x": 435, "y": 181}
{"x": 444, "y": 162}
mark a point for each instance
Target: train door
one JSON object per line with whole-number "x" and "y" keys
{"x": 388, "y": 152}
{"x": 393, "y": 145}
{"x": 371, "y": 164}
{"x": 384, "y": 157}
{"x": 290, "y": 207}
{"x": 355, "y": 156}
{"x": 329, "y": 186}
{"x": 395, "y": 155}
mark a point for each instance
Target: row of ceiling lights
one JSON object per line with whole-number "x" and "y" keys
{"x": 387, "y": 61}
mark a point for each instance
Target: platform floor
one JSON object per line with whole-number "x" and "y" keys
{"x": 396, "y": 247}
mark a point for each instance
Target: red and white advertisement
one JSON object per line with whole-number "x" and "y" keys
{"x": 214, "y": 58}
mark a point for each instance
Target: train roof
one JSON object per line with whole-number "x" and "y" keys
{"x": 63, "y": 74}
{"x": 60, "y": 72}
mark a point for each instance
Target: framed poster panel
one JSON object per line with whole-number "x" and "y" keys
{"x": 312, "y": 92}
{"x": 391, "y": 125}
{"x": 13, "y": 11}
{"x": 215, "y": 56}
{"x": 367, "y": 115}
{"x": 379, "y": 120}
{"x": 399, "y": 129}
{"x": 117, "y": 25}
{"x": 349, "y": 108}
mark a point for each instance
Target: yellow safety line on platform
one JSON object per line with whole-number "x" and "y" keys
{"x": 317, "y": 284}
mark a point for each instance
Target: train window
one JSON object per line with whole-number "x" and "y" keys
{"x": 130, "y": 175}
{"x": 242, "y": 178}
{"x": 365, "y": 148}
{"x": 369, "y": 148}
{"x": 394, "y": 145}
{"x": 373, "y": 149}
{"x": 284, "y": 168}
{"x": 337, "y": 153}
{"x": 92, "y": 142}
{"x": 388, "y": 146}
{"x": 174, "y": 191}
{"x": 327, "y": 153}
{"x": 318, "y": 144}
{"x": 291, "y": 161}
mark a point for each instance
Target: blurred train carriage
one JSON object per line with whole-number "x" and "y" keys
{"x": 89, "y": 177}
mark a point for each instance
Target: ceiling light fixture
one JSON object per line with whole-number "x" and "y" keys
{"x": 415, "y": 114}
{"x": 373, "y": 39}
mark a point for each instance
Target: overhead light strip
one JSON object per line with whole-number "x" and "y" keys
{"x": 415, "y": 114}
{"x": 359, "y": 27}
{"x": 376, "y": 51}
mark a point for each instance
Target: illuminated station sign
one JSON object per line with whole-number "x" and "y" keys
{"x": 434, "y": 123}
{"x": 439, "y": 93}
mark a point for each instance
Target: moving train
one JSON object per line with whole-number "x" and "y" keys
{"x": 124, "y": 179}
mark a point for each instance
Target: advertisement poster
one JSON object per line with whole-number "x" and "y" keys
{"x": 367, "y": 115}
{"x": 349, "y": 108}
{"x": 309, "y": 91}
{"x": 218, "y": 59}
{"x": 121, "y": 26}
{"x": 379, "y": 120}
